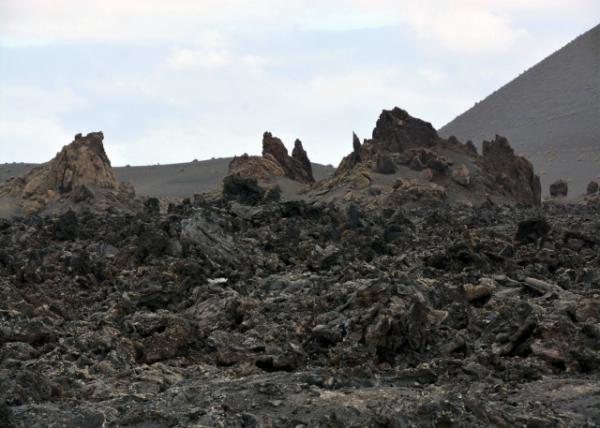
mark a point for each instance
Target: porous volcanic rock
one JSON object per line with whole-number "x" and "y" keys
{"x": 301, "y": 314}
{"x": 80, "y": 173}
{"x": 275, "y": 162}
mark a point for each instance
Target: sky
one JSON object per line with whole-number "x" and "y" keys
{"x": 177, "y": 80}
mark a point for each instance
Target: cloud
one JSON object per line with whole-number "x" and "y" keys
{"x": 17, "y": 100}
{"x": 468, "y": 26}
{"x": 31, "y": 139}
{"x": 183, "y": 58}
{"x": 465, "y": 31}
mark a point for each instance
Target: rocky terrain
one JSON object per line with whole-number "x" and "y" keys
{"x": 301, "y": 314}
{"x": 407, "y": 163}
{"x": 180, "y": 180}
{"x": 276, "y": 168}
{"x": 423, "y": 284}
{"x": 79, "y": 176}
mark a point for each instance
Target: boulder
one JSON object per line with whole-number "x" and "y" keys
{"x": 559, "y": 189}
{"x": 461, "y": 175}
{"x": 385, "y": 164}
{"x": 592, "y": 188}
{"x": 242, "y": 189}
{"x": 512, "y": 175}
{"x": 532, "y": 230}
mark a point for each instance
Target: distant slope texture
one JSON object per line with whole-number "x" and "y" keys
{"x": 175, "y": 180}
{"x": 550, "y": 114}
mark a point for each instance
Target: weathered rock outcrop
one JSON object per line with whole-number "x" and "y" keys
{"x": 80, "y": 173}
{"x": 511, "y": 173}
{"x": 275, "y": 162}
{"x": 409, "y": 148}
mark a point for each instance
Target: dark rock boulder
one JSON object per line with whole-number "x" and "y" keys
{"x": 559, "y": 189}
{"x": 152, "y": 206}
{"x": 592, "y": 188}
{"x": 397, "y": 131}
{"x": 532, "y": 230}
{"x": 242, "y": 189}
{"x": 513, "y": 174}
{"x": 385, "y": 164}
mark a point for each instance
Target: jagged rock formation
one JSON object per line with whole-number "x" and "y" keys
{"x": 275, "y": 162}
{"x": 410, "y": 149}
{"x": 550, "y": 113}
{"x": 301, "y": 156}
{"x": 396, "y": 131}
{"x": 514, "y": 174}
{"x": 80, "y": 173}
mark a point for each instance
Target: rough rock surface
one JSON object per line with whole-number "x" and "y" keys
{"x": 409, "y": 149}
{"x": 80, "y": 173}
{"x": 592, "y": 188}
{"x": 559, "y": 189}
{"x": 275, "y": 162}
{"x": 301, "y": 314}
{"x": 513, "y": 174}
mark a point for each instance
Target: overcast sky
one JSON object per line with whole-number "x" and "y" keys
{"x": 173, "y": 80}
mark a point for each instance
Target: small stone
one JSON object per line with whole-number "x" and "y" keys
{"x": 481, "y": 291}
{"x": 461, "y": 175}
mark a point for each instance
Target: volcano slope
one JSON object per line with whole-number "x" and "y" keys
{"x": 550, "y": 113}
{"x": 301, "y": 314}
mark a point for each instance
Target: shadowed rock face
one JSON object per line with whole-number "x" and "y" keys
{"x": 275, "y": 162}
{"x": 514, "y": 173}
{"x": 77, "y": 171}
{"x": 397, "y": 131}
{"x": 403, "y": 146}
{"x": 301, "y": 156}
{"x": 559, "y": 189}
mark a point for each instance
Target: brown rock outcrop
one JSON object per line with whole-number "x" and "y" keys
{"x": 411, "y": 146}
{"x": 78, "y": 173}
{"x": 275, "y": 162}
